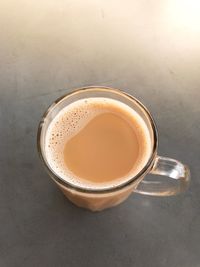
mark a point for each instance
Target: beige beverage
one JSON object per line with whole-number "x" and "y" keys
{"x": 97, "y": 143}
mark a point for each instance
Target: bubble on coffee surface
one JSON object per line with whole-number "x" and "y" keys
{"x": 69, "y": 121}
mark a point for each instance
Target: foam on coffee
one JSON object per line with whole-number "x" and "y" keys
{"x": 72, "y": 119}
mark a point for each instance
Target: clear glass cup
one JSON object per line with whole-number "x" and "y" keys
{"x": 177, "y": 174}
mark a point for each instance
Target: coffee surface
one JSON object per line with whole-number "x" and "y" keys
{"x": 97, "y": 142}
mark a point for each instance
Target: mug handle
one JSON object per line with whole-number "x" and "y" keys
{"x": 170, "y": 168}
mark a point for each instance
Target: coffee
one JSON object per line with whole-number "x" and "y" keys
{"x": 97, "y": 143}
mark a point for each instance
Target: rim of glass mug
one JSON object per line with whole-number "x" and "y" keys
{"x": 114, "y": 188}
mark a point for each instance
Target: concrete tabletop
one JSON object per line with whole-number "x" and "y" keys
{"x": 150, "y": 49}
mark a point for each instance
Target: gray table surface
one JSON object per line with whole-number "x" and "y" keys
{"x": 146, "y": 48}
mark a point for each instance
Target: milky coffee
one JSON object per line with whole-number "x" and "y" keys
{"x": 97, "y": 143}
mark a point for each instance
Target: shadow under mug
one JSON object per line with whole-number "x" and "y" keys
{"x": 177, "y": 174}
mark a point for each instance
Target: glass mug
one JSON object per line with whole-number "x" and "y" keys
{"x": 97, "y": 199}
